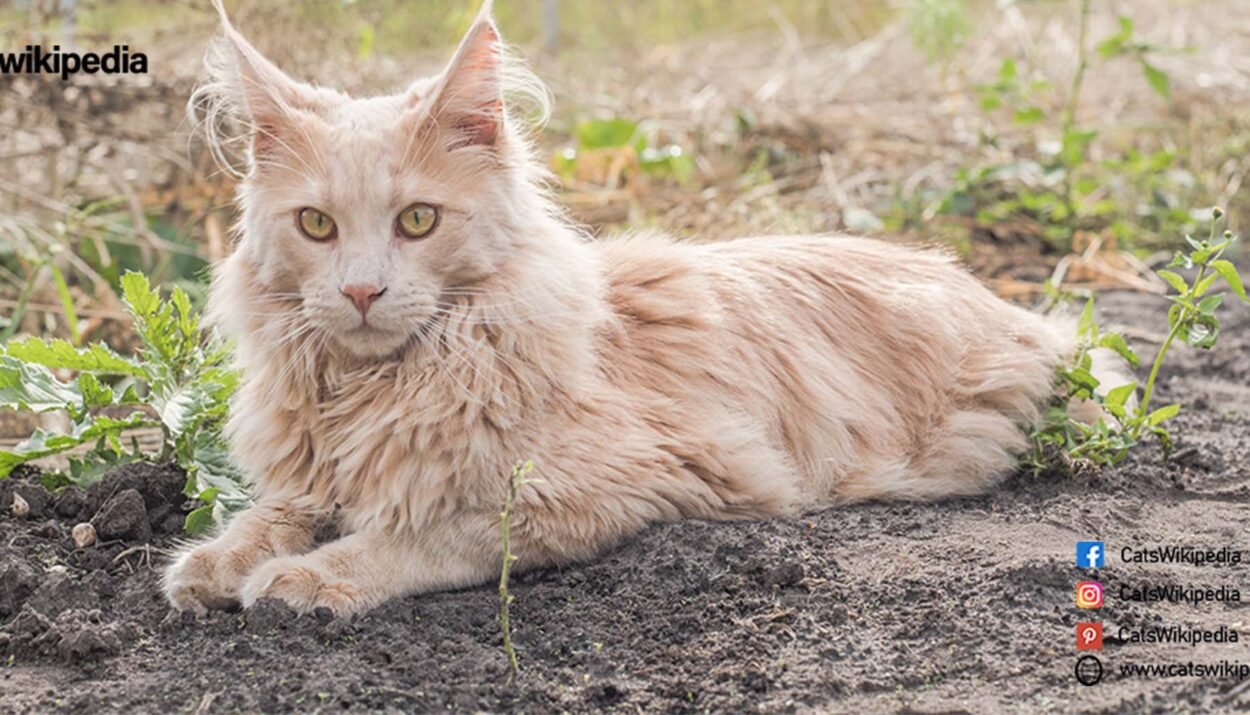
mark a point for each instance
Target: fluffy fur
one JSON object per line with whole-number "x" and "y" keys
{"x": 648, "y": 379}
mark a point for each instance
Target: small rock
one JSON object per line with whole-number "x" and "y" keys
{"x": 84, "y": 535}
{"x": 123, "y": 516}
{"x": 36, "y": 498}
{"x": 21, "y": 508}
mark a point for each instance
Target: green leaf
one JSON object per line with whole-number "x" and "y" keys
{"x": 94, "y": 393}
{"x": 1082, "y": 378}
{"x": 1202, "y": 286}
{"x": 1086, "y": 327}
{"x": 1162, "y": 415}
{"x": 138, "y": 295}
{"x": 1074, "y": 144}
{"x": 1201, "y": 331}
{"x": 1207, "y": 305}
{"x": 199, "y": 521}
{"x": 1175, "y": 280}
{"x": 606, "y": 133}
{"x": 1181, "y": 260}
{"x": 1007, "y": 72}
{"x": 1028, "y": 115}
{"x": 58, "y": 353}
{"x": 1158, "y": 80}
{"x": 669, "y": 160}
{"x": 1117, "y": 397}
{"x": 1116, "y": 342}
{"x": 45, "y": 444}
{"x": 1229, "y": 273}
{"x": 34, "y": 388}
{"x": 1117, "y": 44}
{"x": 187, "y": 325}
{"x": 1165, "y": 439}
{"x": 91, "y": 467}
{"x": 184, "y": 408}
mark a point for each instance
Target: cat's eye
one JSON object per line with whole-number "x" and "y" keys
{"x": 316, "y": 224}
{"x": 417, "y": 220}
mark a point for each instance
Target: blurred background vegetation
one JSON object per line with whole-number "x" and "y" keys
{"x": 1069, "y": 140}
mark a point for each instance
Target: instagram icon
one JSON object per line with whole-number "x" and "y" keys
{"x": 1089, "y": 594}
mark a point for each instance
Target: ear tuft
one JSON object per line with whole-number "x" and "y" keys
{"x": 469, "y": 99}
{"x": 244, "y": 88}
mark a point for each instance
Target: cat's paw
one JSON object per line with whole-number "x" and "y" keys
{"x": 206, "y": 577}
{"x": 303, "y": 585}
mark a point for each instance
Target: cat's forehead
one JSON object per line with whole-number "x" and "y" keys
{"x": 367, "y": 115}
{"x": 380, "y": 112}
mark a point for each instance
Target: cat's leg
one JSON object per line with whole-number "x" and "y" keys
{"x": 209, "y": 575}
{"x": 362, "y": 570}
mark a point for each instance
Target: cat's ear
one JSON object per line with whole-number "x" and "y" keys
{"x": 468, "y": 99}
{"x": 272, "y": 102}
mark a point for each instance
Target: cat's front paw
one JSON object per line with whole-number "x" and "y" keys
{"x": 303, "y": 585}
{"x": 206, "y": 577}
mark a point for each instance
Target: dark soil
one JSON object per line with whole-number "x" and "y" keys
{"x": 963, "y": 606}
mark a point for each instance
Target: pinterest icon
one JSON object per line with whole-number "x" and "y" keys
{"x": 1089, "y": 594}
{"x": 1089, "y": 636}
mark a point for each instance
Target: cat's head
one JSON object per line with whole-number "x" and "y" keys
{"x": 361, "y": 215}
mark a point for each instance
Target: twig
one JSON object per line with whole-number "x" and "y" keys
{"x": 515, "y": 482}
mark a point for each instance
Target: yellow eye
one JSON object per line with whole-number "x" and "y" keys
{"x": 316, "y": 225}
{"x": 417, "y": 220}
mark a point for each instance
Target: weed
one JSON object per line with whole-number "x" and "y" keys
{"x": 1056, "y": 183}
{"x": 517, "y": 480}
{"x": 608, "y": 151}
{"x": 1191, "y": 319}
{"x": 937, "y": 27}
{"x": 178, "y": 383}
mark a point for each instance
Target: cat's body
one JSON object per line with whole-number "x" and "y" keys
{"x": 648, "y": 380}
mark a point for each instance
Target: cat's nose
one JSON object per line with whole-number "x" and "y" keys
{"x": 362, "y": 295}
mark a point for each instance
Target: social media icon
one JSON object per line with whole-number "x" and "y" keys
{"x": 1089, "y": 594}
{"x": 1089, "y": 636}
{"x": 1088, "y": 670}
{"x": 1090, "y": 554}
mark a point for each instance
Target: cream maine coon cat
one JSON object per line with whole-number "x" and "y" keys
{"x": 414, "y": 316}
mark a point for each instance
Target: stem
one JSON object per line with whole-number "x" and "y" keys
{"x": 1082, "y": 62}
{"x": 1154, "y": 372}
{"x": 515, "y": 482}
{"x": 1074, "y": 97}
{"x": 1181, "y": 318}
{"x": 19, "y": 311}
{"x": 67, "y": 304}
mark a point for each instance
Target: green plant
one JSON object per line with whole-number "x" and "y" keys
{"x": 937, "y": 27}
{"x": 1123, "y": 423}
{"x": 622, "y": 144}
{"x": 1056, "y": 183}
{"x": 518, "y": 479}
{"x": 179, "y": 382}
{"x": 34, "y": 271}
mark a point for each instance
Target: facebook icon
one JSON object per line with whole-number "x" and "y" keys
{"x": 1090, "y": 554}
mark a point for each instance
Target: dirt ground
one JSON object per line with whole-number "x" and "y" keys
{"x": 962, "y": 606}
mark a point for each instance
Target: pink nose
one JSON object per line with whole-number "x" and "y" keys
{"x": 362, "y": 295}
